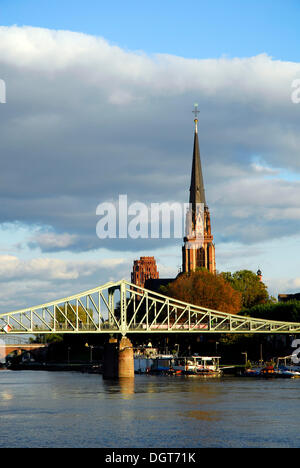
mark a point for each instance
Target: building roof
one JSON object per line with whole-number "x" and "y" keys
{"x": 155, "y": 284}
{"x": 288, "y": 297}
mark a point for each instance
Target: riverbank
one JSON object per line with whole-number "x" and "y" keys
{"x": 92, "y": 368}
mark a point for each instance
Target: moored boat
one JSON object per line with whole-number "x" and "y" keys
{"x": 206, "y": 366}
{"x": 268, "y": 372}
{"x": 161, "y": 365}
{"x": 286, "y": 365}
{"x": 197, "y": 365}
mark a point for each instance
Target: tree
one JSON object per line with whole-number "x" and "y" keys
{"x": 66, "y": 318}
{"x": 66, "y": 315}
{"x": 253, "y": 290}
{"x": 47, "y": 338}
{"x": 282, "y": 311}
{"x": 207, "y": 290}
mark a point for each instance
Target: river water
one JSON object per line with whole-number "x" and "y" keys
{"x": 70, "y": 409}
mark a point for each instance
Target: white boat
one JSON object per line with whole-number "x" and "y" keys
{"x": 285, "y": 365}
{"x": 159, "y": 364}
{"x": 197, "y": 365}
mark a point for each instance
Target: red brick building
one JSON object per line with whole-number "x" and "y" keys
{"x": 144, "y": 269}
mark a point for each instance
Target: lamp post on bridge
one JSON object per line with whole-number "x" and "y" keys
{"x": 91, "y": 351}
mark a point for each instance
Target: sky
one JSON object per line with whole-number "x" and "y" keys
{"x": 193, "y": 29}
{"x": 99, "y": 101}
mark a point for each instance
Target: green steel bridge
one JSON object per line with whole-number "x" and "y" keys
{"x": 124, "y": 308}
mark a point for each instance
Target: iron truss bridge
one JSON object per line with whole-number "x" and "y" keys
{"x": 125, "y": 308}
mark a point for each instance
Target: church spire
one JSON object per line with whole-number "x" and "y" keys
{"x": 198, "y": 250}
{"x": 197, "y": 192}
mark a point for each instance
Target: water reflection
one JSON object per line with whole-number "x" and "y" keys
{"x": 6, "y": 396}
{"x": 203, "y": 415}
{"x": 127, "y": 386}
{"x": 123, "y": 386}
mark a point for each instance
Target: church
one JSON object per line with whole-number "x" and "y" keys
{"x": 198, "y": 249}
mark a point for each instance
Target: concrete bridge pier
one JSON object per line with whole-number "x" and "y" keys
{"x": 118, "y": 359}
{"x": 126, "y": 359}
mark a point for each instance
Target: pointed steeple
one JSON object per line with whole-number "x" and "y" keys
{"x": 197, "y": 192}
{"x": 198, "y": 250}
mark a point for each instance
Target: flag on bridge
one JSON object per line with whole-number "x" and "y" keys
{"x": 7, "y": 328}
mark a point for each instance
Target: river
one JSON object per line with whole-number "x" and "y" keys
{"x": 70, "y": 409}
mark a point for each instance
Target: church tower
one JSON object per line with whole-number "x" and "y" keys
{"x": 198, "y": 250}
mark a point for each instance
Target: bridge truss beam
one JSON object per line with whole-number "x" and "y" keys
{"x": 124, "y": 308}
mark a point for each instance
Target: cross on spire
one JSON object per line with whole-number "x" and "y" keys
{"x": 196, "y": 111}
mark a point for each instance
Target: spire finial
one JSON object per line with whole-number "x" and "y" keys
{"x": 196, "y": 112}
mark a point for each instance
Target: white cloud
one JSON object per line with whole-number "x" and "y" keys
{"x": 86, "y": 121}
{"x": 50, "y": 240}
{"x": 262, "y": 169}
{"x": 94, "y": 61}
{"x": 52, "y": 268}
{"x": 26, "y": 283}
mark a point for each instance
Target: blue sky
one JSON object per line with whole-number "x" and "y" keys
{"x": 195, "y": 29}
{"x": 104, "y": 107}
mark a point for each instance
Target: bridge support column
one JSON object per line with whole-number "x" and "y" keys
{"x": 110, "y": 361}
{"x": 126, "y": 359}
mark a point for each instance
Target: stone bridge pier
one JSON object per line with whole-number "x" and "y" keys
{"x": 118, "y": 359}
